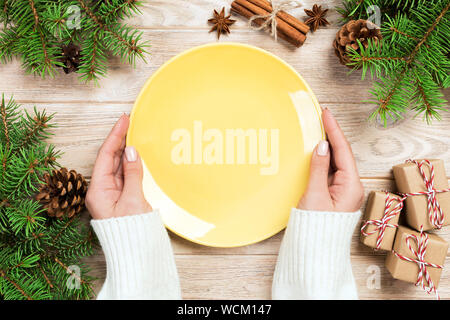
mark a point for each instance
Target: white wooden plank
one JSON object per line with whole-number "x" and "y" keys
{"x": 195, "y": 13}
{"x": 315, "y": 61}
{"x": 250, "y": 277}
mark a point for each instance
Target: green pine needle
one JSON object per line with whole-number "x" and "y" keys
{"x": 411, "y": 62}
{"x": 39, "y": 255}
{"x": 35, "y": 30}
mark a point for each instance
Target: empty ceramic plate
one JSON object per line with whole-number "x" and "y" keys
{"x": 225, "y": 132}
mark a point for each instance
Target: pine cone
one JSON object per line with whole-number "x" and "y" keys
{"x": 70, "y": 57}
{"x": 63, "y": 193}
{"x": 348, "y": 35}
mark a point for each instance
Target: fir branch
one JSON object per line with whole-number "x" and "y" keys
{"x": 70, "y": 247}
{"x": 25, "y": 217}
{"x": 37, "y": 236}
{"x": 18, "y": 261}
{"x": 93, "y": 63}
{"x": 45, "y": 276}
{"x": 36, "y": 128}
{"x": 368, "y": 59}
{"x": 14, "y": 274}
{"x": 403, "y": 33}
{"x": 376, "y": 57}
{"x": 130, "y": 45}
{"x": 390, "y": 99}
{"x": 8, "y": 40}
{"x": 35, "y": 14}
{"x": 359, "y": 9}
{"x": 16, "y": 285}
{"x": 9, "y": 115}
{"x": 429, "y": 31}
{"x": 384, "y": 102}
{"x": 21, "y": 183}
{"x": 411, "y": 62}
{"x": 68, "y": 270}
{"x": 428, "y": 99}
{"x": 35, "y": 249}
{"x": 55, "y": 21}
{"x": 5, "y": 130}
{"x": 428, "y": 107}
{"x": 63, "y": 229}
{"x": 111, "y": 12}
{"x": 36, "y": 30}
{"x": 31, "y": 244}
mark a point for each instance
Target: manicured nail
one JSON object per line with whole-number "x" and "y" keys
{"x": 130, "y": 153}
{"x": 322, "y": 148}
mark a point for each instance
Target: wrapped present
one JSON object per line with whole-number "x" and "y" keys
{"x": 381, "y": 218}
{"x": 425, "y": 186}
{"x": 417, "y": 257}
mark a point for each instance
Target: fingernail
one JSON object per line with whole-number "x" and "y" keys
{"x": 324, "y": 108}
{"x": 130, "y": 154}
{"x": 322, "y": 148}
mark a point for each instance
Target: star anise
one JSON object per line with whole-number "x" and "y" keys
{"x": 221, "y": 22}
{"x": 317, "y": 17}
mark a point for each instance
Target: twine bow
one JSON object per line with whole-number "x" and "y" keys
{"x": 270, "y": 20}
{"x": 383, "y": 223}
{"x": 435, "y": 213}
{"x": 423, "y": 277}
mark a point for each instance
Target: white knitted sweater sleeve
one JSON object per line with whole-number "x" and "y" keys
{"x": 313, "y": 263}
{"x": 314, "y": 258}
{"x": 139, "y": 259}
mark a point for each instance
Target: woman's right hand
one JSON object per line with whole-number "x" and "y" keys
{"x": 333, "y": 186}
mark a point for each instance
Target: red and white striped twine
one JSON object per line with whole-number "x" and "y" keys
{"x": 435, "y": 213}
{"x": 383, "y": 223}
{"x": 423, "y": 277}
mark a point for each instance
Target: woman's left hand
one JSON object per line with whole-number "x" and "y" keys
{"x": 116, "y": 186}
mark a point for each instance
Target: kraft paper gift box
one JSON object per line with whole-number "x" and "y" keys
{"x": 375, "y": 211}
{"x": 400, "y": 269}
{"x": 409, "y": 180}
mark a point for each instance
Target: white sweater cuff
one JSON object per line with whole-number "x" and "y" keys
{"x": 139, "y": 258}
{"x": 314, "y": 258}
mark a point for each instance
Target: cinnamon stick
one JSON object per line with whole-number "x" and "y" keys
{"x": 237, "y": 8}
{"x": 297, "y": 37}
{"x": 266, "y": 5}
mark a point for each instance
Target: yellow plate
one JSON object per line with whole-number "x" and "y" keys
{"x": 226, "y": 133}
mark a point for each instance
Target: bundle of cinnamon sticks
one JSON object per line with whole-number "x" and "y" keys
{"x": 288, "y": 27}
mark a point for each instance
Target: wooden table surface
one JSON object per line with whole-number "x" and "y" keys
{"x": 85, "y": 114}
